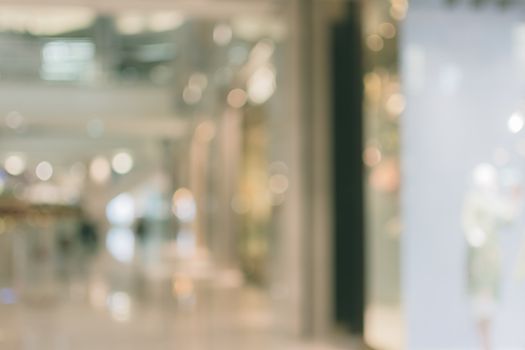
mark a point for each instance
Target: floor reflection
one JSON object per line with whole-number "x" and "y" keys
{"x": 98, "y": 302}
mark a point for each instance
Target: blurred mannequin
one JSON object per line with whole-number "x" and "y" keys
{"x": 491, "y": 204}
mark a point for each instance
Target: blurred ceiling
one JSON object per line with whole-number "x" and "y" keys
{"x": 198, "y": 8}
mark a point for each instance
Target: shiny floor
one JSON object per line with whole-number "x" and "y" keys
{"x": 115, "y": 306}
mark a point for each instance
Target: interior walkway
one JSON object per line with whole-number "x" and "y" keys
{"x": 117, "y": 307}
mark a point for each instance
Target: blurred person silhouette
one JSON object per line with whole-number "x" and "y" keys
{"x": 65, "y": 243}
{"x": 141, "y": 229}
{"x": 140, "y": 282}
{"x": 491, "y": 204}
{"x": 88, "y": 234}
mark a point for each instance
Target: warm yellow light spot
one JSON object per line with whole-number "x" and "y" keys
{"x": 375, "y": 42}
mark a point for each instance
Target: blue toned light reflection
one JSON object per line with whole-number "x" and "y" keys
{"x": 121, "y": 210}
{"x": 120, "y": 243}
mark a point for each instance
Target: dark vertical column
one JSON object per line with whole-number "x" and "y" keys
{"x": 348, "y": 192}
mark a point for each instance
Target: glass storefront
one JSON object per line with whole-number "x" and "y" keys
{"x": 384, "y": 105}
{"x": 462, "y": 174}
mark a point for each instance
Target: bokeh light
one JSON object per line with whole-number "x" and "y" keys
{"x": 183, "y": 205}
{"x": 222, "y": 34}
{"x": 515, "y": 123}
{"x": 14, "y": 120}
{"x": 183, "y": 290}
{"x": 191, "y": 94}
{"x": 120, "y": 243}
{"x": 120, "y": 211}
{"x": 395, "y": 104}
{"x": 44, "y": 171}
{"x": 198, "y": 81}
{"x": 387, "y": 30}
{"x": 15, "y": 164}
{"x": 261, "y": 85}
{"x": 100, "y": 170}
{"x": 237, "y": 98}
{"x": 205, "y": 132}
{"x": 122, "y": 163}
{"x": 278, "y": 183}
{"x": 372, "y": 156}
{"x": 375, "y": 42}
{"x": 485, "y": 175}
{"x": 119, "y": 305}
